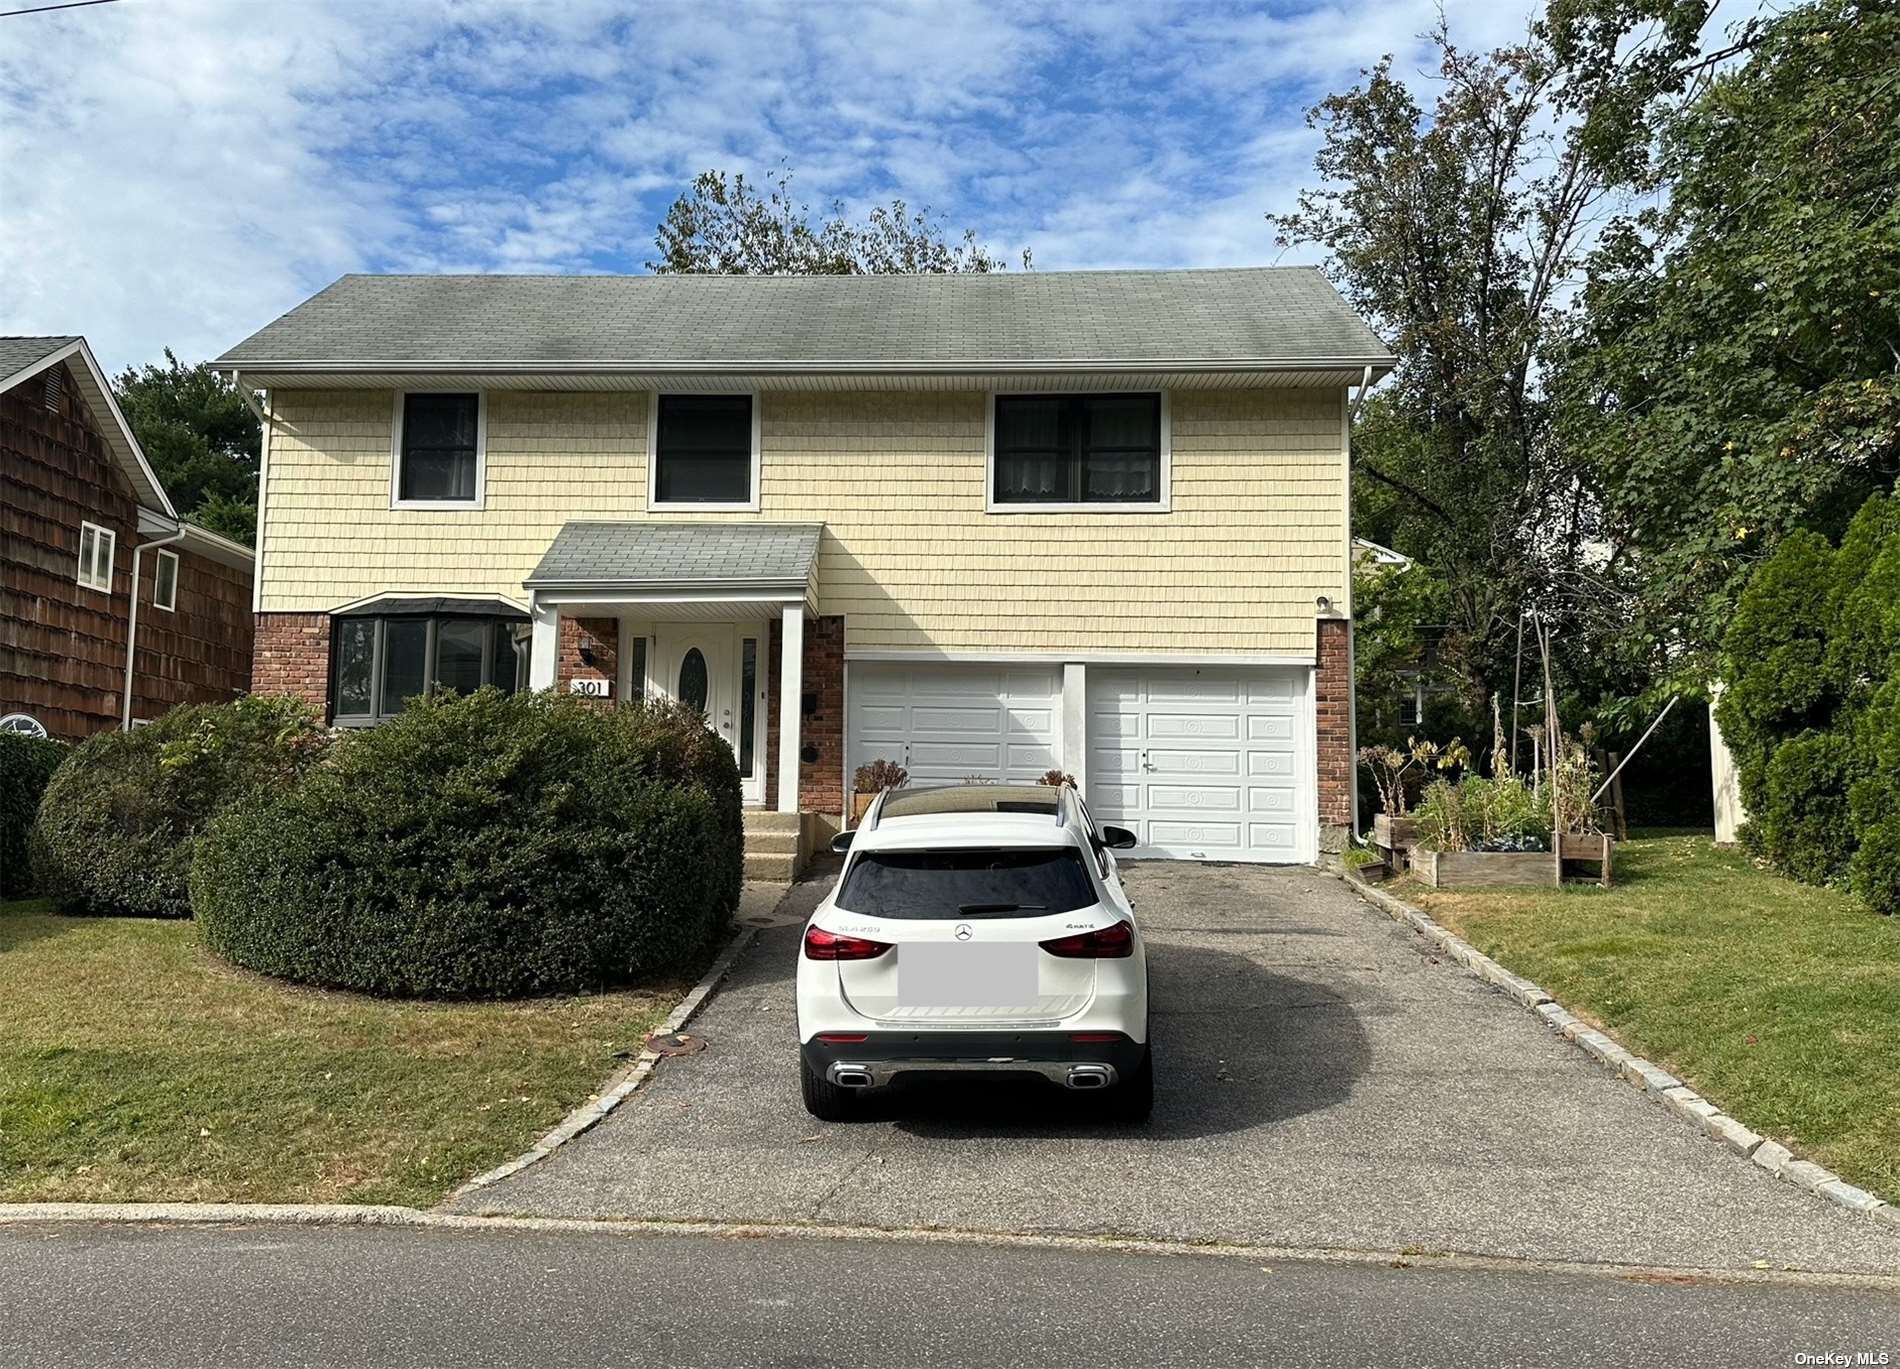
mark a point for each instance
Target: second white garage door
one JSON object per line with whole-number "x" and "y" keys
{"x": 1205, "y": 763}
{"x": 947, "y": 723}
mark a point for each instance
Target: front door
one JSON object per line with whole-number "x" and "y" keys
{"x": 717, "y": 668}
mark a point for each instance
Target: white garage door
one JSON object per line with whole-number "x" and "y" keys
{"x": 1204, "y": 763}
{"x": 945, "y": 723}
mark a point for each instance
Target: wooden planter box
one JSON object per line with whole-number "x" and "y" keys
{"x": 859, "y": 802}
{"x": 1593, "y": 848}
{"x": 1393, "y": 835}
{"x": 1483, "y": 869}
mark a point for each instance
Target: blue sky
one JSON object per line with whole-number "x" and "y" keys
{"x": 181, "y": 171}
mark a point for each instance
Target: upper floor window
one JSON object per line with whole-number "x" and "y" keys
{"x": 97, "y": 546}
{"x": 165, "y": 581}
{"x": 380, "y": 662}
{"x": 1079, "y": 451}
{"x": 705, "y": 451}
{"x": 439, "y": 452}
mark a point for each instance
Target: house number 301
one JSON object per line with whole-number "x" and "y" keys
{"x": 593, "y": 689}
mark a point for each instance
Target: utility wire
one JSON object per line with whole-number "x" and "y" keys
{"x": 43, "y": 9}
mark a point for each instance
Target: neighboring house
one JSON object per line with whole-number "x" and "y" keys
{"x": 94, "y": 559}
{"x": 978, "y": 525}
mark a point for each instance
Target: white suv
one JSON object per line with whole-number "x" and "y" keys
{"x": 976, "y": 928}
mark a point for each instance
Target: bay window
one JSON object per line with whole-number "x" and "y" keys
{"x": 380, "y": 660}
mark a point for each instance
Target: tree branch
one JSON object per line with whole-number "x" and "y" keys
{"x": 1404, "y": 489}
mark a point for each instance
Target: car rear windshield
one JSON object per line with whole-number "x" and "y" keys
{"x": 1012, "y": 882}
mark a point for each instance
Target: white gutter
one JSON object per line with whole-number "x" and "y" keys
{"x": 132, "y": 628}
{"x": 1352, "y": 407}
{"x": 963, "y": 366}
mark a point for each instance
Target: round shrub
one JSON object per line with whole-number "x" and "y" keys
{"x": 1804, "y": 816}
{"x": 26, "y": 764}
{"x": 484, "y": 846}
{"x": 119, "y": 822}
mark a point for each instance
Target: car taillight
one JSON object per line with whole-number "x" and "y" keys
{"x": 1104, "y": 943}
{"x": 823, "y": 945}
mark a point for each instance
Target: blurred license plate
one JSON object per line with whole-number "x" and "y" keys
{"x": 958, "y": 975}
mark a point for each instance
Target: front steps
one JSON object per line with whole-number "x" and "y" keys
{"x": 776, "y": 845}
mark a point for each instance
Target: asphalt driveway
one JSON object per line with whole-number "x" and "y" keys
{"x": 1322, "y": 1081}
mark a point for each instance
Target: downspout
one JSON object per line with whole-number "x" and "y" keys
{"x": 132, "y": 627}
{"x": 1352, "y": 643}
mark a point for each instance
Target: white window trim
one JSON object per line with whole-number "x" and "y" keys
{"x": 396, "y": 501}
{"x": 1164, "y": 504}
{"x": 163, "y": 557}
{"x": 103, "y": 539}
{"x": 653, "y": 457}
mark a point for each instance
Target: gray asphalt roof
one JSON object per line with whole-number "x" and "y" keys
{"x": 17, "y": 353}
{"x": 678, "y": 553}
{"x": 1283, "y": 315}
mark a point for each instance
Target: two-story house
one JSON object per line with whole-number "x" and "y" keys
{"x": 112, "y": 608}
{"x": 982, "y": 526}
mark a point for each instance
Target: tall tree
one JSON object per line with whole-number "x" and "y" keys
{"x": 724, "y": 226}
{"x": 1735, "y": 372}
{"x": 1461, "y": 230}
{"x": 201, "y": 438}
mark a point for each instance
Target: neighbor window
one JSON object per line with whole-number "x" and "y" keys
{"x": 378, "y": 664}
{"x": 704, "y": 450}
{"x": 439, "y": 449}
{"x": 97, "y": 546}
{"x": 165, "y": 581}
{"x": 1078, "y": 449}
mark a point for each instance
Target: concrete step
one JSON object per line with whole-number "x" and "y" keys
{"x": 775, "y": 867}
{"x": 771, "y": 843}
{"x": 763, "y": 820}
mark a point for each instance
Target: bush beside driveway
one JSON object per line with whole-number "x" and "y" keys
{"x": 1777, "y": 1001}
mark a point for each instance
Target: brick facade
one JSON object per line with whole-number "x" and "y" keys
{"x": 821, "y": 732}
{"x": 600, "y": 637}
{"x": 291, "y": 655}
{"x": 1332, "y": 706}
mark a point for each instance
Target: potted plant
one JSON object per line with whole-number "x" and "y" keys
{"x": 871, "y": 780}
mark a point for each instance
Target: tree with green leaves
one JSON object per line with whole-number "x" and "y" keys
{"x": 202, "y": 439}
{"x": 1460, "y": 229}
{"x": 1734, "y": 372}
{"x": 725, "y": 226}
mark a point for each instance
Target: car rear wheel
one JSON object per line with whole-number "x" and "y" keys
{"x": 1133, "y": 1099}
{"x": 823, "y": 1099}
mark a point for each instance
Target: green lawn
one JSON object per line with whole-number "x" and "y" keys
{"x": 1778, "y": 1002}
{"x": 135, "y": 1066}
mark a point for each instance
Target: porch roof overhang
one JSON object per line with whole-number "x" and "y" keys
{"x": 688, "y": 569}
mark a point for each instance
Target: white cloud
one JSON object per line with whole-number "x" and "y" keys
{"x": 178, "y": 172}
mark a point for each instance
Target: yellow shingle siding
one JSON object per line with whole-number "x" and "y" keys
{"x": 910, "y": 557}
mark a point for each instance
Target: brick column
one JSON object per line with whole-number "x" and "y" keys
{"x": 291, "y": 655}
{"x": 820, "y": 779}
{"x": 1332, "y": 706}
{"x": 601, "y": 638}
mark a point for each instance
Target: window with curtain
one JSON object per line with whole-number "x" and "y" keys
{"x": 1078, "y": 449}
{"x": 441, "y": 436}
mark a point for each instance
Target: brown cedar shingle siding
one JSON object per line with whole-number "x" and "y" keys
{"x": 62, "y": 647}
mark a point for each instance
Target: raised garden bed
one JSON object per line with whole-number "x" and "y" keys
{"x": 1394, "y": 836}
{"x": 1482, "y": 869}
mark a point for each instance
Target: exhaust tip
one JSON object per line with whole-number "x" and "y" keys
{"x": 851, "y": 1078}
{"x": 1088, "y": 1077}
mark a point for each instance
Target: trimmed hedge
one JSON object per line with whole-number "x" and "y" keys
{"x": 485, "y": 846}
{"x": 26, "y": 764}
{"x": 1812, "y": 708}
{"x": 119, "y": 823}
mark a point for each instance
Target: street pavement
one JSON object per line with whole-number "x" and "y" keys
{"x": 193, "y": 1297}
{"x": 1324, "y": 1082}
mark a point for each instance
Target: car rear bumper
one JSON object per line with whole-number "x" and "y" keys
{"x": 879, "y": 1057}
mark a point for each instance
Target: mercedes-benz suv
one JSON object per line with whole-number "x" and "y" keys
{"x": 976, "y": 929}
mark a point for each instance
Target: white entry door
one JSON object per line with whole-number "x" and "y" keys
{"x": 718, "y": 668}
{"x": 1205, "y": 763}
